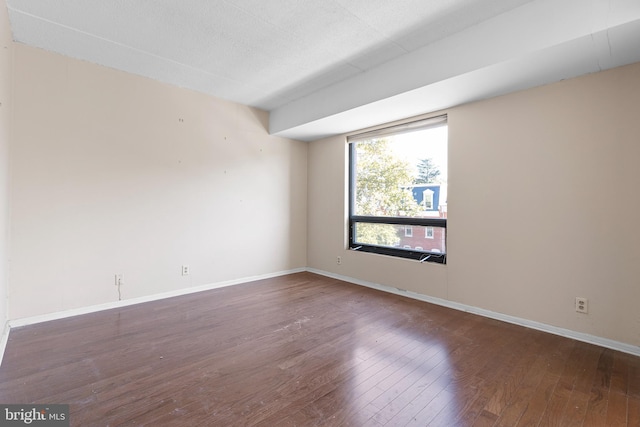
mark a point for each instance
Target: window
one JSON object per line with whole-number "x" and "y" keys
{"x": 428, "y": 232}
{"x": 427, "y": 199}
{"x": 398, "y": 185}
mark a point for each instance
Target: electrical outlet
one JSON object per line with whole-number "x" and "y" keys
{"x": 119, "y": 280}
{"x": 185, "y": 270}
{"x": 582, "y": 305}
{"x": 339, "y": 260}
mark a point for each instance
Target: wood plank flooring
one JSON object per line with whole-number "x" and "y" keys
{"x": 306, "y": 350}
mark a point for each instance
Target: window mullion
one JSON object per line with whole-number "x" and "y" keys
{"x": 437, "y": 222}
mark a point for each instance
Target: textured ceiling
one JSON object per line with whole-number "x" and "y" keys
{"x": 285, "y": 56}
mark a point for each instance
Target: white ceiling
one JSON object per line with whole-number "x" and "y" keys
{"x": 334, "y": 66}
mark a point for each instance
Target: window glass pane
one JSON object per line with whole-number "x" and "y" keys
{"x": 396, "y": 236}
{"x": 402, "y": 175}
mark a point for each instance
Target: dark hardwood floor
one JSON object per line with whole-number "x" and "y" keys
{"x": 306, "y": 350}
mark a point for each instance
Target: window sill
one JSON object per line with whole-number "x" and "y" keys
{"x": 419, "y": 256}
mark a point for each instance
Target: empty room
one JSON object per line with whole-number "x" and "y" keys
{"x": 330, "y": 213}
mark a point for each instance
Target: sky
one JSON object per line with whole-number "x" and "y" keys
{"x": 422, "y": 144}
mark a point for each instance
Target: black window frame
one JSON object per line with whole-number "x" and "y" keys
{"x": 422, "y": 256}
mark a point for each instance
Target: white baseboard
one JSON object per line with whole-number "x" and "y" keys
{"x": 116, "y": 304}
{"x": 4, "y": 339}
{"x": 579, "y": 336}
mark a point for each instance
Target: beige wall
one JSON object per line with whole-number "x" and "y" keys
{"x": 6, "y": 66}
{"x": 114, "y": 173}
{"x": 543, "y": 207}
